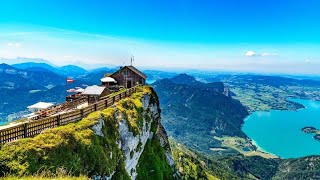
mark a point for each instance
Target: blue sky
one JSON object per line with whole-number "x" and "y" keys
{"x": 244, "y": 35}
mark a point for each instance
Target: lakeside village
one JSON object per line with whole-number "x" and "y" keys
{"x": 124, "y": 78}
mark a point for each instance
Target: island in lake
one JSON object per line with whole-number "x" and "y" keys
{"x": 312, "y": 130}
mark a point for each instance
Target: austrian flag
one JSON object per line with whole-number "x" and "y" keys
{"x": 69, "y": 80}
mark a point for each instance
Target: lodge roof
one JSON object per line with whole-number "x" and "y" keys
{"x": 93, "y": 90}
{"x": 134, "y": 70}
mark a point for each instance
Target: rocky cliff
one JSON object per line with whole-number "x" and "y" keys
{"x": 125, "y": 141}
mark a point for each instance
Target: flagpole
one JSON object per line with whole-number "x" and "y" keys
{"x": 66, "y": 87}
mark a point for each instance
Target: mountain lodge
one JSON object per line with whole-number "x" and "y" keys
{"x": 126, "y": 77}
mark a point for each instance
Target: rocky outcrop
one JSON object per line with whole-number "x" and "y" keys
{"x": 163, "y": 137}
{"x": 133, "y": 146}
{"x": 97, "y": 128}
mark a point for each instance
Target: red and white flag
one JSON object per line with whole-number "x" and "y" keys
{"x": 69, "y": 80}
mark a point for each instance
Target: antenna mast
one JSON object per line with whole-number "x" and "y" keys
{"x": 132, "y": 59}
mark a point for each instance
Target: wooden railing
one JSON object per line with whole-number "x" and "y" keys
{"x": 32, "y": 128}
{"x": 60, "y": 107}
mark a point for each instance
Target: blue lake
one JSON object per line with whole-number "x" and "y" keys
{"x": 279, "y": 132}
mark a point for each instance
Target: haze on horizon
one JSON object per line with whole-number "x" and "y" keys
{"x": 252, "y": 36}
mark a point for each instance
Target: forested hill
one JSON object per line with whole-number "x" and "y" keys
{"x": 193, "y": 112}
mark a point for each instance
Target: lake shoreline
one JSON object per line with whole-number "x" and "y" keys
{"x": 262, "y": 150}
{"x": 265, "y": 117}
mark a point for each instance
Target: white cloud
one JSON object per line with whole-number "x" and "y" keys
{"x": 14, "y": 44}
{"x": 308, "y": 60}
{"x": 251, "y": 53}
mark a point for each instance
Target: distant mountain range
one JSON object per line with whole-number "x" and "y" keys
{"x": 22, "y": 60}
{"x": 69, "y": 70}
{"x": 14, "y": 78}
{"x": 93, "y": 75}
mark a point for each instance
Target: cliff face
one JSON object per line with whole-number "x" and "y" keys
{"x": 133, "y": 145}
{"x": 125, "y": 141}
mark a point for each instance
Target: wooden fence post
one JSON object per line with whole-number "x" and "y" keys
{"x": 95, "y": 107}
{"x": 58, "y": 120}
{"x": 114, "y": 99}
{"x": 81, "y": 112}
{"x": 106, "y": 102}
{"x": 25, "y": 130}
